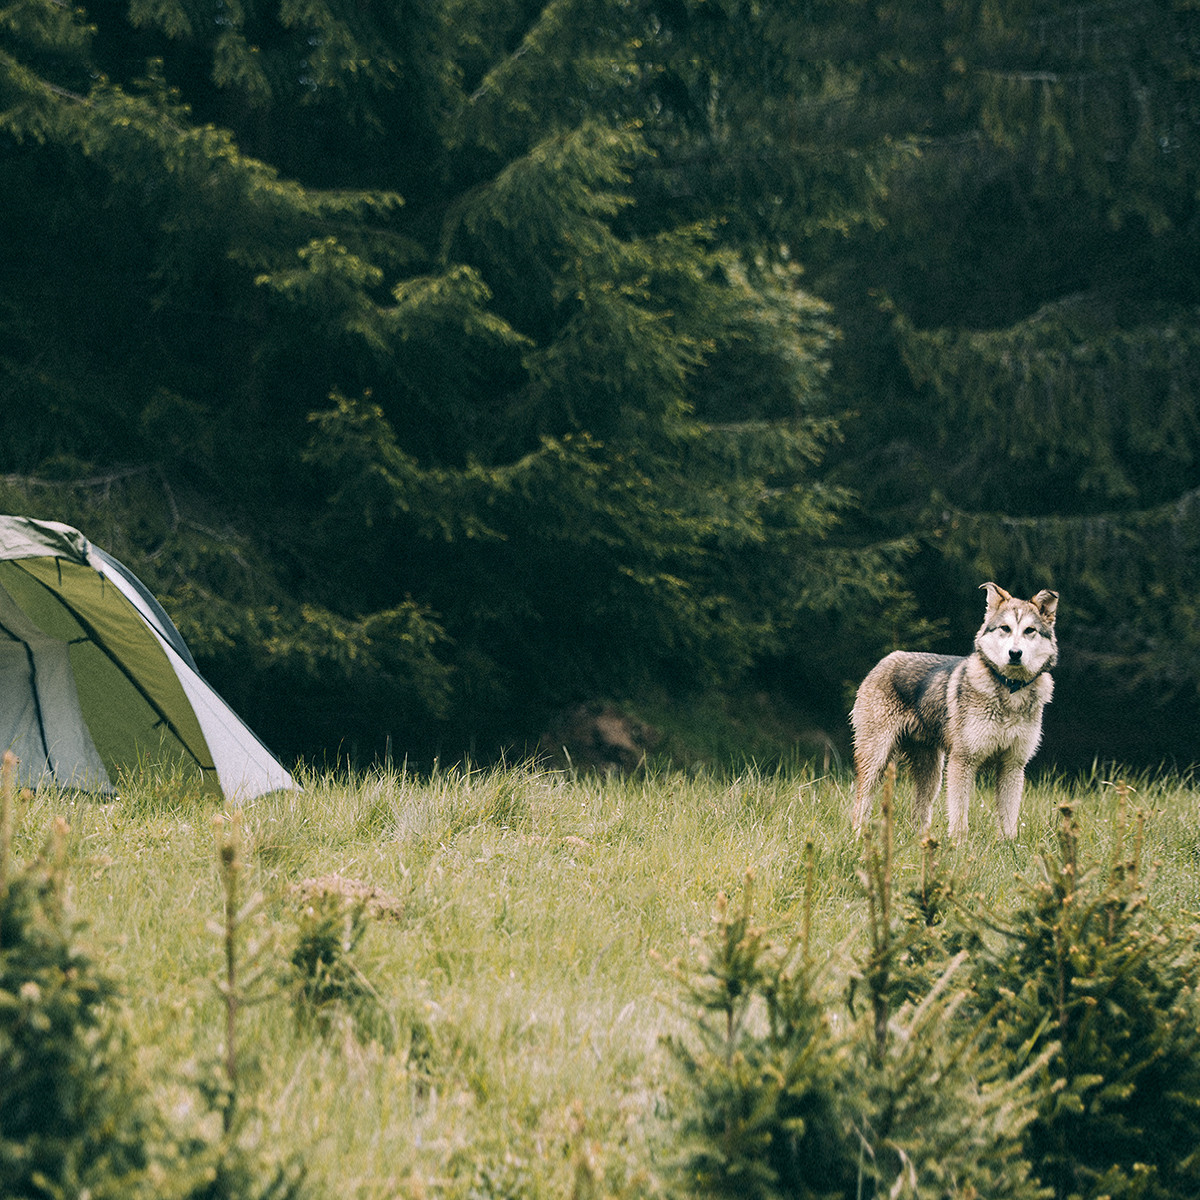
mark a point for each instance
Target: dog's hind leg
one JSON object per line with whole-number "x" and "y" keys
{"x": 870, "y": 761}
{"x": 925, "y": 765}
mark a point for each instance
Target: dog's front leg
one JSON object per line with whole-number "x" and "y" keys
{"x": 1010, "y": 784}
{"x": 960, "y": 782}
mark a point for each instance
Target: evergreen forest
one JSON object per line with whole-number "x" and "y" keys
{"x": 445, "y": 363}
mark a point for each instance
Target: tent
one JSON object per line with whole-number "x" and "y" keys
{"x": 95, "y": 678}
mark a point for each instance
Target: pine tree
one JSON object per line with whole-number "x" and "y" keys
{"x": 429, "y": 412}
{"x": 1021, "y": 343}
{"x": 1087, "y": 966}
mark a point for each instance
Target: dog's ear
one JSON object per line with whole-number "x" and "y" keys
{"x": 996, "y": 595}
{"x": 1047, "y": 602}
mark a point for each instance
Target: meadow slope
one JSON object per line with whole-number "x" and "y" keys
{"x": 518, "y": 952}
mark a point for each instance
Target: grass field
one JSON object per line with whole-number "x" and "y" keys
{"x": 518, "y": 958}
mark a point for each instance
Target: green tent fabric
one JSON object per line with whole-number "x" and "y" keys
{"x": 95, "y": 679}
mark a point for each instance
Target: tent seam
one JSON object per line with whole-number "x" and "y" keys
{"x": 96, "y": 640}
{"x": 33, "y": 691}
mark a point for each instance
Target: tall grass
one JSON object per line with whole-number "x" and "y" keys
{"x": 521, "y": 961}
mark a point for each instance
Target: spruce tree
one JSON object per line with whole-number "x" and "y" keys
{"x": 1087, "y": 970}
{"x": 398, "y": 384}
{"x": 1021, "y": 345}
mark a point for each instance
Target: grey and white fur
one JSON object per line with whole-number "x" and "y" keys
{"x": 960, "y": 712}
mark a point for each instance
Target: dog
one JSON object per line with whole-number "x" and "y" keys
{"x": 960, "y": 712}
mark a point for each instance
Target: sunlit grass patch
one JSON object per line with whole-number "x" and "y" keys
{"x": 516, "y": 957}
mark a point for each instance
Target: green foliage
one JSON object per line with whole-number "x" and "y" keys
{"x": 1020, "y": 336}
{"x": 1127, "y": 566}
{"x": 523, "y": 911}
{"x": 71, "y": 1115}
{"x": 943, "y": 1114}
{"x": 929, "y": 934}
{"x": 1073, "y": 392}
{"x": 1061, "y": 1061}
{"x": 327, "y": 979}
{"x": 76, "y": 1116}
{"x": 1074, "y": 409}
{"x": 946, "y": 1103}
{"x": 777, "y": 1103}
{"x": 489, "y": 430}
{"x": 469, "y": 340}
{"x": 760, "y": 1115}
{"x": 1088, "y": 969}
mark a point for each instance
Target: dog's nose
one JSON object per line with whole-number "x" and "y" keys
{"x": 1014, "y": 656}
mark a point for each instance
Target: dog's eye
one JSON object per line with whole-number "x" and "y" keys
{"x": 1030, "y": 631}
{"x": 1006, "y": 629}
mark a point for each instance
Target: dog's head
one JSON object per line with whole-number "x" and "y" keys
{"x": 1017, "y": 636}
